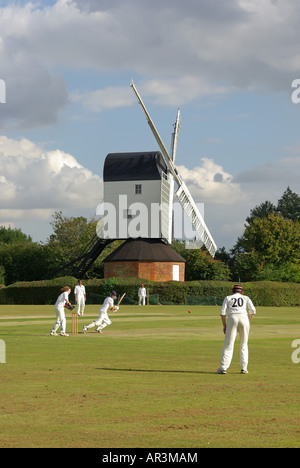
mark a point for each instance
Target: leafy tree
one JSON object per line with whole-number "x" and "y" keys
{"x": 276, "y": 239}
{"x": 2, "y": 275}
{"x": 73, "y": 237}
{"x": 9, "y": 235}
{"x": 289, "y": 205}
{"x": 24, "y": 261}
{"x": 261, "y": 211}
{"x": 269, "y": 244}
{"x": 290, "y": 271}
{"x": 224, "y": 256}
{"x": 70, "y": 238}
{"x": 9, "y": 240}
{"x": 200, "y": 265}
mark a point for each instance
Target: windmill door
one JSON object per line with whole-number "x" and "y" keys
{"x": 175, "y": 272}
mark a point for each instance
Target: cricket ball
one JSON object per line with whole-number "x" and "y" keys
{"x": 189, "y": 312}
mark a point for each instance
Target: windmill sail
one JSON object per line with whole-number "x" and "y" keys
{"x": 183, "y": 194}
{"x": 175, "y": 136}
{"x": 174, "y": 142}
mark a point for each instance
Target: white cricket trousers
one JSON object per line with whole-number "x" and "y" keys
{"x": 60, "y": 320}
{"x": 80, "y": 305}
{"x": 142, "y": 299}
{"x": 102, "y": 321}
{"x": 236, "y": 323}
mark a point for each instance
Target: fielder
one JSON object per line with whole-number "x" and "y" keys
{"x": 62, "y": 300}
{"x": 142, "y": 294}
{"x": 80, "y": 297}
{"x": 103, "y": 320}
{"x": 238, "y": 307}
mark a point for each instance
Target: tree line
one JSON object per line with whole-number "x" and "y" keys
{"x": 267, "y": 250}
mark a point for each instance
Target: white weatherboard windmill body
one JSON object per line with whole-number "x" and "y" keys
{"x": 185, "y": 198}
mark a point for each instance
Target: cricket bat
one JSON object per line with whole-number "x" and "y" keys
{"x": 121, "y": 299}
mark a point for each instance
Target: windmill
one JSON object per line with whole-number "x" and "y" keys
{"x": 121, "y": 174}
{"x": 183, "y": 194}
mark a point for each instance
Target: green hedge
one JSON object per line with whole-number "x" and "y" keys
{"x": 35, "y": 292}
{"x": 263, "y": 293}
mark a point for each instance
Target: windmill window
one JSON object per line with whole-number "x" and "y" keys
{"x": 138, "y": 189}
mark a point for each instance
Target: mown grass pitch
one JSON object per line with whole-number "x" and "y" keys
{"x": 148, "y": 381}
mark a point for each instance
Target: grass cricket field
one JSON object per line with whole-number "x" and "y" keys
{"x": 149, "y": 381}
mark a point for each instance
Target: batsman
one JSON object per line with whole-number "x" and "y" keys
{"x": 103, "y": 320}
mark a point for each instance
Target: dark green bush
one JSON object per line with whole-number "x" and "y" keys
{"x": 263, "y": 293}
{"x": 35, "y": 292}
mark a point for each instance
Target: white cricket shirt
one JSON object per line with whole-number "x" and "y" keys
{"x": 60, "y": 302}
{"x": 108, "y": 302}
{"x": 142, "y": 292}
{"x": 79, "y": 290}
{"x": 237, "y": 304}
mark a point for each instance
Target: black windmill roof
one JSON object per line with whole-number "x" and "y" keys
{"x": 134, "y": 166}
{"x": 144, "y": 250}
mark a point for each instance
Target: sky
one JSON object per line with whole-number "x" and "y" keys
{"x": 67, "y": 65}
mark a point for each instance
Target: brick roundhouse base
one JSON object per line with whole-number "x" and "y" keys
{"x": 153, "y": 271}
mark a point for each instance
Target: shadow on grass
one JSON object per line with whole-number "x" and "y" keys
{"x": 154, "y": 370}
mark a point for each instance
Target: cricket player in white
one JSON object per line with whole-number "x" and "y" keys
{"x": 103, "y": 320}
{"x": 62, "y": 299}
{"x": 240, "y": 313}
{"x": 80, "y": 297}
{"x": 142, "y": 294}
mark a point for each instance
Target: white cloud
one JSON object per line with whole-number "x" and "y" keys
{"x": 226, "y": 203}
{"x": 34, "y": 183}
{"x": 244, "y": 42}
{"x": 228, "y": 200}
{"x": 103, "y": 99}
{"x": 164, "y": 92}
{"x": 34, "y": 95}
{"x": 183, "y": 51}
{"x": 210, "y": 183}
